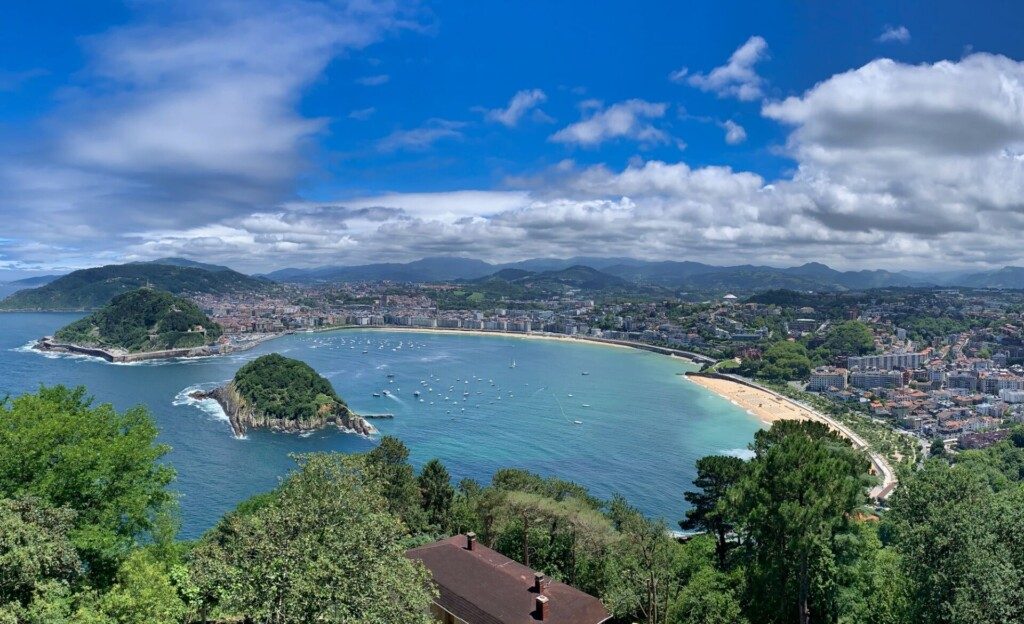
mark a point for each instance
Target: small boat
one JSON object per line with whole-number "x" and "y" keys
{"x": 385, "y": 393}
{"x": 391, "y": 375}
{"x": 365, "y": 351}
{"x": 577, "y": 422}
{"x": 586, "y": 405}
{"x": 416, "y": 394}
{"x": 570, "y": 394}
{"x": 513, "y": 364}
{"x": 584, "y": 373}
{"x": 376, "y": 395}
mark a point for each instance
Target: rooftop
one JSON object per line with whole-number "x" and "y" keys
{"x": 485, "y": 587}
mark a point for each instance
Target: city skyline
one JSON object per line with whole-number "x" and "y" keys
{"x": 265, "y": 135}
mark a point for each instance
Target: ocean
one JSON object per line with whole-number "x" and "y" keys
{"x": 630, "y": 425}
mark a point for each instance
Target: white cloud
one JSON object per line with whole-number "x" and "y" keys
{"x": 737, "y": 78}
{"x": 520, "y": 104}
{"x": 898, "y": 34}
{"x": 627, "y": 119}
{"x": 882, "y": 180}
{"x": 373, "y": 81}
{"x": 734, "y": 133}
{"x": 418, "y": 139}
{"x": 188, "y": 114}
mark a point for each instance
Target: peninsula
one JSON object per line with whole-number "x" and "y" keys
{"x": 283, "y": 394}
{"x": 140, "y": 324}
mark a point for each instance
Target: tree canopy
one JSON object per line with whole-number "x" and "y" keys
{"x": 284, "y": 388}
{"x": 143, "y": 320}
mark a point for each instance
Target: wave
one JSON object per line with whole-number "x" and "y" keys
{"x": 742, "y": 453}
{"x": 208, "y": 406}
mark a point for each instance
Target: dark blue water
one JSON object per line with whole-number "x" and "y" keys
{"x": 642, "y": 425}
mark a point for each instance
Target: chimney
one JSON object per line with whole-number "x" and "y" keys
{"x": 542, "y": 608}
{"x": 538, "y": 582}
{"x": 470, "y": 540}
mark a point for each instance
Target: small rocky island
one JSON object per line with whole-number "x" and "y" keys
{"x": 137, "y": 325}
{"x": 284, "y": 395}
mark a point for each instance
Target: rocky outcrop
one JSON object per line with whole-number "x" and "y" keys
{"x": 244, "y": 416}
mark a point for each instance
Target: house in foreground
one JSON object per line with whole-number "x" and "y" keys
{"x": 478, "y": 585}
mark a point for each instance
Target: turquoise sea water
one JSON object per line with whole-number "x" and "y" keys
{"x": 643, "y": 426}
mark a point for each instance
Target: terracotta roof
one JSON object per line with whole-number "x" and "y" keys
{"x": 483, "y": 586}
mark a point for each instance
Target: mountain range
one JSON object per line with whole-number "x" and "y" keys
{"x": 90, "y": 288}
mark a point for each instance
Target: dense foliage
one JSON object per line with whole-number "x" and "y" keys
{"x": 91, "y": 288}
{"x": 143, "y": 320}
{"x": 287, "y": 389}
{"x": 87, "y": 534}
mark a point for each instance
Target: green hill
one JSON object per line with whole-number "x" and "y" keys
{"x": 285, "y": 389}
{"x": 143, "y": 320}
{"x": 88, "y": 289}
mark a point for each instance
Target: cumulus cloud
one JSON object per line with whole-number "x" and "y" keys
{"x": 737, "y": 78}
{"x": 423, "y": 137}
{"x": 187, "y": 114}
{"x": 897, "y": 165}
{"x": 898, "y": 34}
{"x": 734, "y": 133}
{"x": 521, "y": 103}
{"x": 629, "y": 120}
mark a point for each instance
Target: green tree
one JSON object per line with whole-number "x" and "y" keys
{"x": 102, "y": 464}
{"x": 390, "y": 458}
{"x": 645, "y": 571}
{"x": 715, "y": 475}
{"x": 437, "y": 494}
{"x": 848, "y": 338}
{"x": 800, "y": 491}
{"x": 324, "y": 548}
{"x": 709, "y": 598}
{"x": 143, "y": 593}
{"x": 785, "y": 361}
{"x": 37, "y": 559}
{"x": 944, "y": 522}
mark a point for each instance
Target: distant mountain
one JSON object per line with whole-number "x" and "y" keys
{"x": 91, "y": 288}
{"x": 7, "y": 288}
{"x": 185, "y": 262}
{"x": 579, "y": 276}
{"x": 686, "y": 275}
{"x": 810, "y": 276}
{"x": 428, "y": 269}
{"x": 1006, "y": 277}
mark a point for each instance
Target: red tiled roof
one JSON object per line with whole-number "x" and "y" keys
{"x": 483, "y": 586}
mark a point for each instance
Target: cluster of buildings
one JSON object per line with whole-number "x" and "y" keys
{"x": 931, "y": 397}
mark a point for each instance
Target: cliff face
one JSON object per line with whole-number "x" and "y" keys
{"x": 244, "y": 416}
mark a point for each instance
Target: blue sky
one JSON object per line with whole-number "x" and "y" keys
{"x": 269, "y": 134}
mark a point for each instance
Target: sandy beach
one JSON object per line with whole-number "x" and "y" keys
{"x": 763, "y": 405}
{"x": 770, "y": 408}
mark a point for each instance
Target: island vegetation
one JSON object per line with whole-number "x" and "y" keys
{"x": 143, "y": 320}
{"x": 284, "y": 394}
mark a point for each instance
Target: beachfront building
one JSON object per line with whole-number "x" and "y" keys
{"x": 826, "y": 377}
{"x": 887, "y": 361}
{"x": 868, "y": 379}
{"x": 476, "y": 585}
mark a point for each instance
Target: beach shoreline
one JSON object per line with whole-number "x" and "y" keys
{"x": 758, "y": 403}
{"x": 770, "y": 407}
